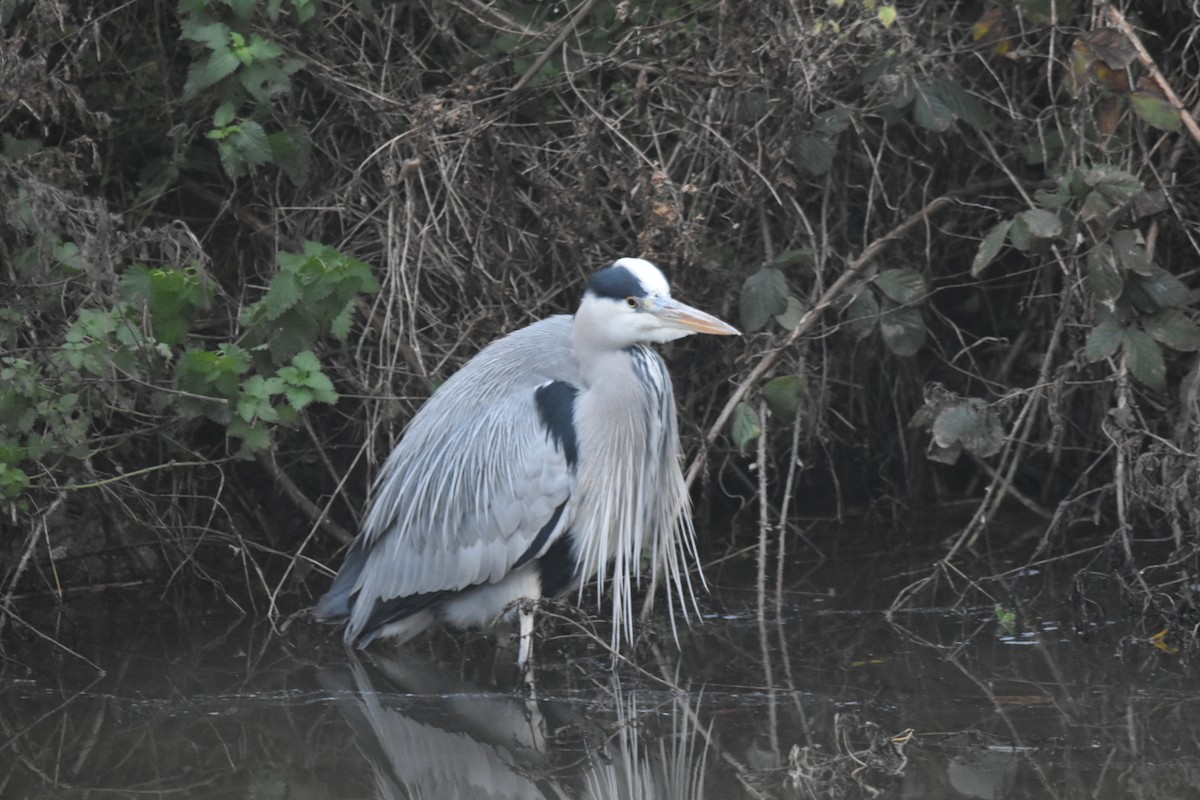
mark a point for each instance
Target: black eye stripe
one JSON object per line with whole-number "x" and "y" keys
{"x": 616, "y": 283}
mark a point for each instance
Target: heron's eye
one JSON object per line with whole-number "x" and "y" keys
{"x": 632, "y": 302}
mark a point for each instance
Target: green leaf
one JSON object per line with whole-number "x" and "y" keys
{"x": 962, "y": 103}
{"x": 832, "y": 122}
{"x": 903, "y": 330}
{"x": 138, "y": 284}
{"x": 813, "y": 154}
{"x": 971, "y": 423}
{"x": 224, "y": 115}
{"x": 1053, "y": 199}
{"x": 254, "y": 437}
{"x": 1161, "y": 289}
{"x": 1117, "y": 185}
{"x": 340, "y": 326}
{"x": 1095, "y": 206}
{"x": 1103, "y": 340}
{"x": 796, "y": 309}
{"x": 1103, "y": 275}
{"x": 905, "y": 286}
{"x": 1130, "y": 253}
{"x": 67, "y": 254}
{"x": 1156, "y": 112}
{"x": 783, "y": 395}
{"x": 283, "y": 294}
{"x": 1018, "y": 234}
{"x": 886, "y": 15}
{"x": 251, "y": 141}
{"x": 306, "y": 361}
{"x": 213, "y": 35}
{"x": 745, "y": 427}
{"x": 862, "y": 314}
{"x": 1145, "y": 359}
{"x": 930, "y": 111}
{"x": 989, "y": 248}
{"x": 1042, "y": 223}
{"x": 764, "y": 295}
{"x": 203, "y": 74}
{"x": 1173, "y": 329}
{"x": 789, "y": 258}
{"x": 243, "y": 9}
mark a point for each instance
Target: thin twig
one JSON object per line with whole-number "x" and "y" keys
{"x": 1118, "y": 20}
{"x": 537, "y": 65}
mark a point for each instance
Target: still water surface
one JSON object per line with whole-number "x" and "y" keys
{"x": 825, "y": 698}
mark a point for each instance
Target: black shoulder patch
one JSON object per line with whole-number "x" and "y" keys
{"x": 616, "y": 283}
{"x": 556, "y": 407}
{"x": 557, "y": 568}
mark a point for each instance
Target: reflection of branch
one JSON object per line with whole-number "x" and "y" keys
{"x": 1189, "y": 122}
{"x": 827, "y": 299}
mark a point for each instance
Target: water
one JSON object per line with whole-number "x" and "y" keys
{"x": 824, "y": 699}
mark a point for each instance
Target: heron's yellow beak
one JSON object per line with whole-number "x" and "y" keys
{"x": 675, "y": 314}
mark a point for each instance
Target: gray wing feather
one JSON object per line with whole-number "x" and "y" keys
{"x": 475, "y": 477}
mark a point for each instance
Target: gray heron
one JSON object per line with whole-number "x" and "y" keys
{"x": 549, "y": 459}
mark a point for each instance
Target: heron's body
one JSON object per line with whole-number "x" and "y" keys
{"x": 549, "y": 458}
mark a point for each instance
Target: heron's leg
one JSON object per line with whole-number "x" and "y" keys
{"x": 525, "y": 648}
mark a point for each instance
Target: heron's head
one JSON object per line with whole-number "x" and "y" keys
{"x": 629, "y": 302}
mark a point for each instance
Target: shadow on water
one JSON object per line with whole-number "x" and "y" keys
{"x": 824, "y": 698}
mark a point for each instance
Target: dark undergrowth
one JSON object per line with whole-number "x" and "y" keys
{"x": 241, "y": 241}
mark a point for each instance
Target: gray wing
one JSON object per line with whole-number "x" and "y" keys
{"x": 484, "y": 466}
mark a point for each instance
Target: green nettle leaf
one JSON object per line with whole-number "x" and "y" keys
{"x": 745, "y": 426}
{"x": 1145, "y": 359}
{"x": 989, "y": 248}
{"x": 1103, "y": 340}
{"x": 251, "y": 141}
{"x": 813, "y": 154}
{"x": 862, "y": 314}
{"x": 138, "y": 284}
{"x": 224, "y": 115}
{"x": 282, "y": 294}
{"x": 1103, "y": 275}
{"x": 244, "y": 9}
{"x": 1156, "y": 112}
{"x": 905, "y": 286}
{"x": 764, "y": 295}
{"x": 1042, "y": 223}
{"x": 971, "y": 423}
{"x": 1171, "y": 327}
{"x": 903, "y": 330}
{"x": 213, "y": 35}
{"x": 203, "y": 74}
{"x": 783, "y": 395}
{"x": 307, "y": 361}
{"x": 254, "y": 437}
{"x": 340, "y": 326}
{"x": 929, "y": 109}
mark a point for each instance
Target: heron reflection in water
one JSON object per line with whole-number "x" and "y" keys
{"x": 551, "y": 458}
